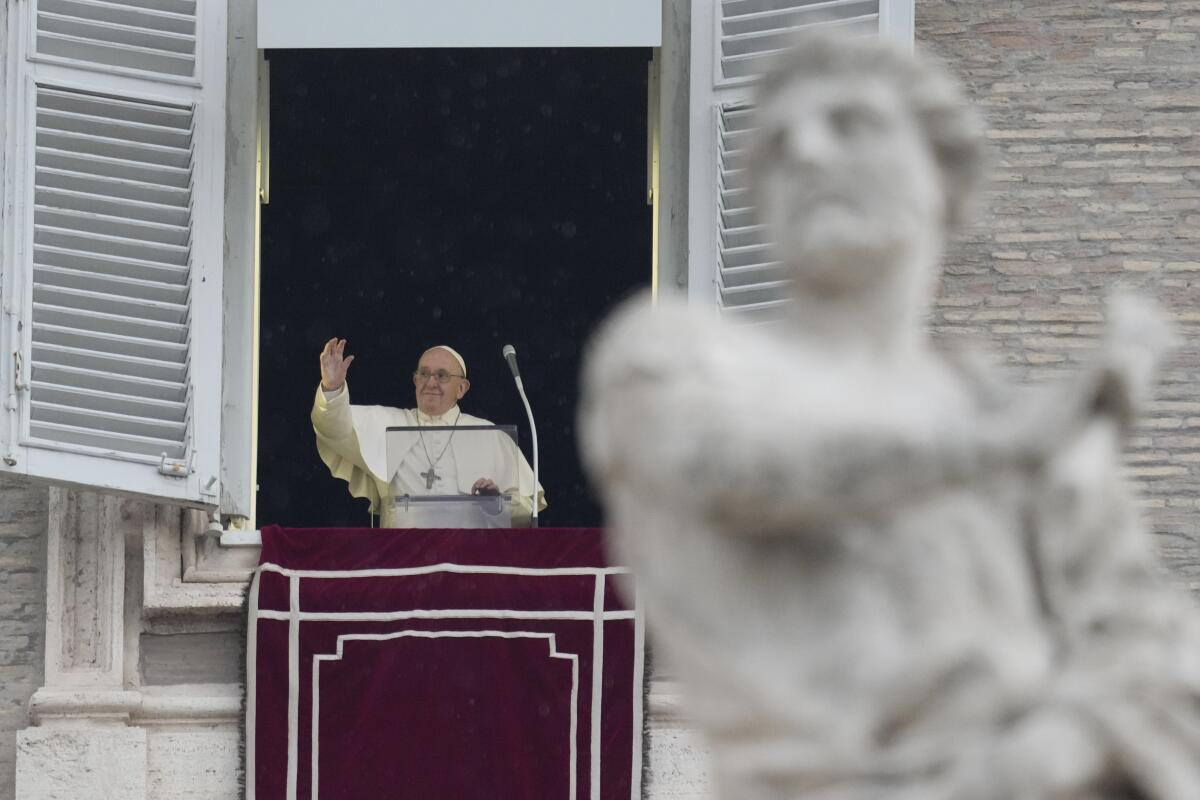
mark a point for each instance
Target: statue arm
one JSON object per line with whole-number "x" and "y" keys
{"x": 688, "y": 412}
{"x": 1113, "y": 386}
{"x": 681, "y": 409}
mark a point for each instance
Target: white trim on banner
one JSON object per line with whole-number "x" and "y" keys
{"x": 573, "y": 658}
{"x": 293, "y": 743}
{"x": 251, "y": 685}
{"x": 441, "y": 613}
{"x": 598, "y": 683}
{"x": 639, "y": 676}
{"x": 463, "y": 569}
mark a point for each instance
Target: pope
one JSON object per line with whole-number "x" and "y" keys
{"x": 351, "y": 440}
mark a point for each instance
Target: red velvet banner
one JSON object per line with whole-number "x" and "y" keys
{"x": 441, "y": 664}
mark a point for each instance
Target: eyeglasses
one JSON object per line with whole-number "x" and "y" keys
{"x": 422, "y": 375}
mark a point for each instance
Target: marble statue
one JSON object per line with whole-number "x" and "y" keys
{"x": 881, "y": 569}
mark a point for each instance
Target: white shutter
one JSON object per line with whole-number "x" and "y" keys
{"x": 751, "y": 32}
{"x": 112, "y": 280}
{"x": 111, "y": 237}
{"x": 733, "y": 42}
{"x": 749, "y": 282}
{"x": 150, "y": 37}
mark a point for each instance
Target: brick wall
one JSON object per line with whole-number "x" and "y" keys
{"x": 1093, "y": 109}
{"x": 22, "y": 612}
{"x": 22, "y": 578}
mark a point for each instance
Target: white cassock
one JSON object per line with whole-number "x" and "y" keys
{"x": 352, "y": 443}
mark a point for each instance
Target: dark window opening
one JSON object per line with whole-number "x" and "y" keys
{"x": 464, "y": 197}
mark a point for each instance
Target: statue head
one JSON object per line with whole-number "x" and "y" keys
{"x": 863, "y": 158}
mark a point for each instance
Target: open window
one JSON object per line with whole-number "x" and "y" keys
{"x": 129, "y": 287}
{"x": 475, "y": 197}
{"x": 129, "y": 223}
{"x": 456, "y": 219}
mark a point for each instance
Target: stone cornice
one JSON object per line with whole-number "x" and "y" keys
{"x": 206, "y": 703}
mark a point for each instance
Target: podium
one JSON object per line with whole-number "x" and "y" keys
{"x": 429, "y": 505}
{"x": 449, "y": 511}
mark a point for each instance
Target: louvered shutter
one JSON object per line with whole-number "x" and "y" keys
{"x": 733, "y": 42}
{"x": 752, "y": 31}
{"x": 750, "y": 284}
{"x": 141, "y": 36}
{"x": 112, "y": 281}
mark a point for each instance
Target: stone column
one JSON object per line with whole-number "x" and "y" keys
{"x": 81, "y": 745}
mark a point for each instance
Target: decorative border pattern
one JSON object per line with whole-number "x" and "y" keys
{"x": 295, "y": 617}
{"x": 573, "y": 658}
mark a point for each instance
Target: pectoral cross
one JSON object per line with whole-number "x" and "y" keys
{"x": 430, "y": 477}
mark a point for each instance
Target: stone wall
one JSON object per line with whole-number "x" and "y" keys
{"x": 22, "y": 612}
{"x": 22, "y": 572}
{"x": 1094, "y": 115}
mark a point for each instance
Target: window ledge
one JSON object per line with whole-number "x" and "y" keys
{"x": 241, "y": 539}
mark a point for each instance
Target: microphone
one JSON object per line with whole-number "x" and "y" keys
{"x": 510, "y": 355}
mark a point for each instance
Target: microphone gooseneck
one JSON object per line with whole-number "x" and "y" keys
{"x": 510, "y": 355}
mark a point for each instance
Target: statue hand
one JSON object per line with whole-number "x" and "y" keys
{"x": 334, "y": 365}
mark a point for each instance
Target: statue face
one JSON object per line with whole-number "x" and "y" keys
{"x": 436, "y": 398}
{"x": 845, "y": 180}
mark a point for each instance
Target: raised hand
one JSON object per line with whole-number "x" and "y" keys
{"x": 333, "y": 365}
